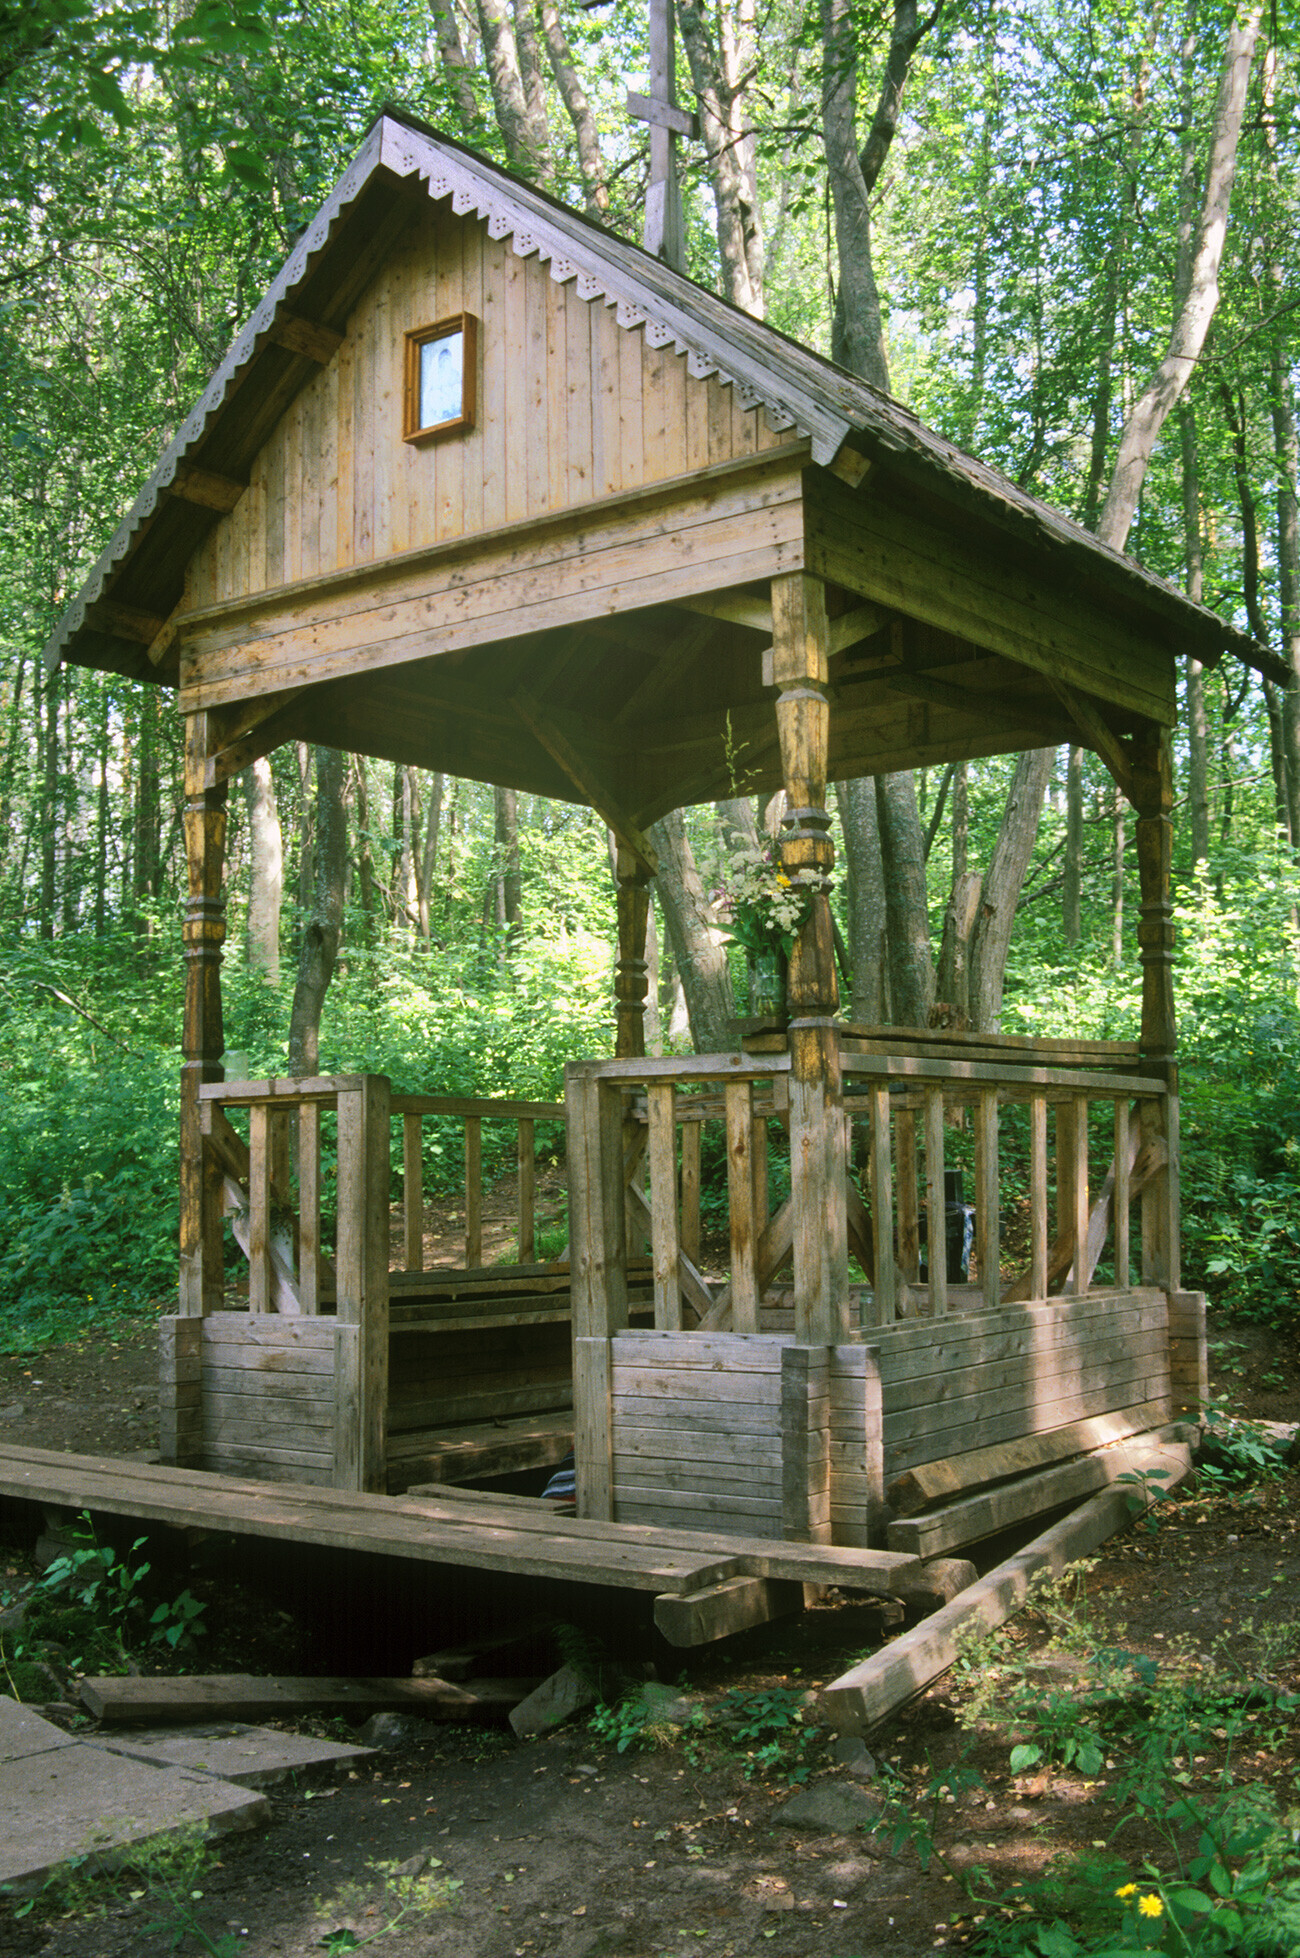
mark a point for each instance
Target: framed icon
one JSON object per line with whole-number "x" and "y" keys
{"x": 441, "y": 378}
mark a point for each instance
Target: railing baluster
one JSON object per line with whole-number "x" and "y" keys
{"x": 760, "y": 1175}
{"x": 664, "y": 1242}
{"x": 740, "y": 1195}
{"x": 1078, "y": 1195}
{"x": 473, "y": 1192}
{"x": 526, "y": 1157}
{"x": 936, "y": 1221}
{"x": 882, "y": 1209}
{"x": 1038, "y": 1197}
{"x": 309, "y": 1206}
{"x": 1122, "y": 1197}
{"x": 691, "y": 1190}
{"x": 259, "y": 1209}
{"x": 412, "y": 1194}
{"x": 909, "y": 1229}
{"x": 988, "y": 1218}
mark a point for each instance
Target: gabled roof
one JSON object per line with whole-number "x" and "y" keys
{"x": 138, "y": 579}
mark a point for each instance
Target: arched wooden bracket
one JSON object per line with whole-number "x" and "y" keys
{"x": 586, "y": 777}
{"x": 245, "y": 733}
{"x": 1100, "y": 737}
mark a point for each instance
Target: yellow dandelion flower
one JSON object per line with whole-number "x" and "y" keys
{"x": 1128, "y": 1890}
{"x": 1150, "y": 1907}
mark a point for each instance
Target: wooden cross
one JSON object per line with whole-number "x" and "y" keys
{"x": 664, "y": 234}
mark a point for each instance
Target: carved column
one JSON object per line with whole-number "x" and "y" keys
{"x": 800, "y": 663}
{"x": 1152, "y": 790}
{"x": 203, "y": 1039}
{"x": 633, "y": 877}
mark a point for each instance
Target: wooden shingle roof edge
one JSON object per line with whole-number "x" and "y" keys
{"x": 800, "y": 390}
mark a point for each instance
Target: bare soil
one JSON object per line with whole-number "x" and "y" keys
{"x": 565, "y": 1847}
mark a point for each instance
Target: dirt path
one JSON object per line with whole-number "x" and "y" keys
{"x": 566, "y": 1847}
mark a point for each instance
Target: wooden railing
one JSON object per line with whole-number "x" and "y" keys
{"x": 412, "y": 1110}
{"x": 272, "y": 1183}
{"x": 898, "y": 1101}
{"x": 636, "y": 1123}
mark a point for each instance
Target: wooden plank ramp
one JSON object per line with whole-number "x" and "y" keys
{"x": 861, "y": 1698}
{"x": 482, "y": 1533}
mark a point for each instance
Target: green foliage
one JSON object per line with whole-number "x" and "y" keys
{"x": 1226, "y": 1878}
{"x": 909, "y": 1816}
{"x": 162, "y": 1876}
{"x": 95, "y": 1602}
{"x": 399, "y": 1896}
{"x": 627, "y": 1726}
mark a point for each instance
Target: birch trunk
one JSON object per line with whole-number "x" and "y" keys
{"x": 320, "y": 940}
{"x": 266, "y": 871}
{"x": 701, "y": 961}
{"x": 1195, "y": 306}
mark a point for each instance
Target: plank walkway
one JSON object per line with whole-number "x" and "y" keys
{"x": 481, "y": 1532}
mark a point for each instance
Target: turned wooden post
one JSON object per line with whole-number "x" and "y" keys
{"x": 633, "y": 876}
{"x": 818, "y": 1148}
{"x": 203, "y": 1039}
{"x": 1152, "y": 795}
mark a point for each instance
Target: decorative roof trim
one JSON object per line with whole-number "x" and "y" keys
{"x": 242, "y": 351}
{"x": 537, "y": 228}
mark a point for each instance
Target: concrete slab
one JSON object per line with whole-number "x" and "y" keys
{"x": 23, "y": 1732}
{"x": 252, "y": 1757}
{"x": 62, "y": 1798}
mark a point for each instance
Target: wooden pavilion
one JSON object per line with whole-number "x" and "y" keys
{"x": 483, "y": 488}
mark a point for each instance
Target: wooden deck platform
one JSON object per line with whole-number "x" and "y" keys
{"x": 705, "y": 1584}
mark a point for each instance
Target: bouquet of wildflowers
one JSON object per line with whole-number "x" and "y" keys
{"x": 759, "y": 905}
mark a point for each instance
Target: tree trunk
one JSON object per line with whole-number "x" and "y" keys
{"x": 1003, "y": 885}
{"x": 865, "y": 892}
{"x": 527, "y": 143}
{"x": 428, "y": 864}
{"x": 952, "y": 981}
{"x": 701, "y": 960}
{"x": 266, "y": 871}
{"x": 456, "y": 63}
{"x": 1072, "y": 879}
{"x": 720, "y": 74}
{"x": 320, "y": 939}
{"x": 49, "y": 756}
{"x": 1195, "y": 304}
{"x": 1117, "y": 882}
{"x": 510, "y": 899}
{"x": 590, "y": 162}
{"x": 1198, "y": 752}
{"x": 902, "y": 850}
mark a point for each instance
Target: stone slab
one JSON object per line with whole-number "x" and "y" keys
{"x": 23, "y": 1733}
{"x": 79, "y": 1800}
{"x": 251, "y": 1757}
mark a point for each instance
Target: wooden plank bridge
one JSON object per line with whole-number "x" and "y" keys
{"x": 704, "y": 1584}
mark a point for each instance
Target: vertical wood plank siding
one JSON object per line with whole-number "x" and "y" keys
{"x": 572, "y": 406}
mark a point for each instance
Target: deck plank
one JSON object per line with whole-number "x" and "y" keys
{"x": 480, "y": 1534}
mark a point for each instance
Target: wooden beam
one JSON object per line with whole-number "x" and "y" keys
{"x": 586, "y": 779}
{"x": 165, "y": 639}
{"x": 735, "y": 607}
{"x": 967, "y": 700}
{"x": 861, "y": 623}
{"x": 851, "y": 466}
{"x": 206, "y": 488}
{"x": 1097, "y": 735}
{"x": 870, "y": 1692}
{"x": 125, "y": 621}
{"x": 262, "y": 732}
{"x": 302, "y": 336}
{"x": 957, "y": 1475}
{"x": 666, "y": 115}
{"x": 988, "y": 592}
